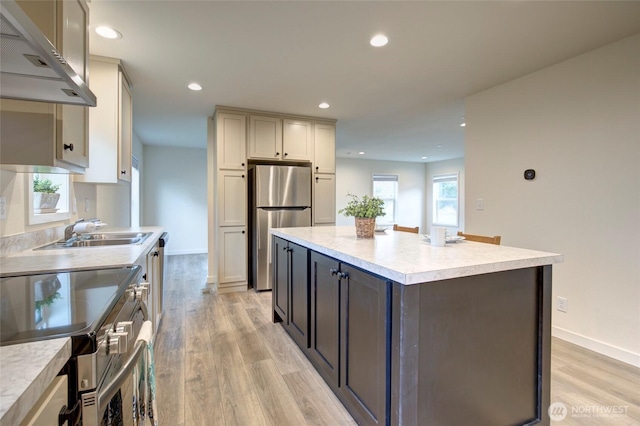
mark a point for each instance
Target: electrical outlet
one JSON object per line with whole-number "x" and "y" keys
{"x": 3, "y": 208}
{"x": 563, "y": 304}
{"x": 480, "y": 204}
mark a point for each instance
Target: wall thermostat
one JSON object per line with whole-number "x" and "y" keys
{"x": 529, "y": 174}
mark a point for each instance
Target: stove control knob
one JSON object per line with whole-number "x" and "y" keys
{"x": 117, "y": 343}
{"x": 139, "y": 292}
{"x": 84, "y": 383}
{"x": 125, "y": 327}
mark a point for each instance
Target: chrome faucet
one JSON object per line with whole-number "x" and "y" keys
{"x": 68, "y": 231}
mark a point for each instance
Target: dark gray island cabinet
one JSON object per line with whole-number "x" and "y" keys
{"x": 409, "y": 334}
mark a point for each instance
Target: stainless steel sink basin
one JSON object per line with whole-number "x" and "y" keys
{"x": 99, "y": 239}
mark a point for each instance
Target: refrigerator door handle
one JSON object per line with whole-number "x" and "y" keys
{"x": 269, "y": 218}
{"x": 277, "y": 209}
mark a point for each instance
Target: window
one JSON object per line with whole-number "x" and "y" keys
{"x": 386, "y": 187}
{"x": 445, "y": 200}
{"x": 135, "y": 193}
{"x": 48, "y": 208}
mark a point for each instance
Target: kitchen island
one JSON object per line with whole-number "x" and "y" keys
{"x": 408, "y": 333}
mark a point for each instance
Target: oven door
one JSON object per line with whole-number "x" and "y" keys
{"x": 112, "y": 403}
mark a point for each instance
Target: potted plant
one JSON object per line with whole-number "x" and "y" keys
{"x": 45, "y": 196}
{"x": 364, "y": 210}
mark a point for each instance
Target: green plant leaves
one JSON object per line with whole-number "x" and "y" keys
{"x": 366, "y": 206}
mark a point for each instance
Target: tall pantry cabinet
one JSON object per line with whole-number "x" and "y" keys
{"x": 239, "y": 138}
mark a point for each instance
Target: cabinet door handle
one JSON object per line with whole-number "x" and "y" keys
{"x": 317, "y": 179}
{"x": 285, "y": 249}
{"x": 144, "y": 277}
{"x": 277, "y": 153}
{"x": 243, "y": 232}
{"x": 333, "y": 272}
{"x": 123, "y": 172}
{"x": 242, "y": 176}
{"x": 242, "y": 164}
{"x": 343, "y": 275}
{"x": 156, "y": 254}
{"x": 285, "y": 154}
{"x": 68, "y": 146}
{"x": 317, "y": 168}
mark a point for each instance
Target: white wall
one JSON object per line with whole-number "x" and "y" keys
{"x": 174, "y": 194}
{"x": 356, "y": 177}
{"x": 578, "y": 124}
{"x": 114, "y": 204}
{"x": 455, "y": 165}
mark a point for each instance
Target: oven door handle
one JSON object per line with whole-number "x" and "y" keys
{"x": 108, "y": 392}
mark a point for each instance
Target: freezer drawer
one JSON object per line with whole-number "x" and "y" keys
{"x": 265, "y": 219}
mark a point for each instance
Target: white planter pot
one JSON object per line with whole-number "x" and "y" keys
{"x": 44, "y": 202}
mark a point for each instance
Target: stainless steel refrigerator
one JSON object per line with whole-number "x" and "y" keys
{"x": 279, "y": 197}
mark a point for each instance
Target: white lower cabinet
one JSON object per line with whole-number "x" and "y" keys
{"x": 324, "y": 199}
{"x": 150, "y": 264}
{"x": 232, "y": 193}
{"x": 153, "y": 273}
{"x": 45, "y": 411}
{"x": 232, "y": 270}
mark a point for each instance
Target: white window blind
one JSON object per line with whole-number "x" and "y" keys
{"x": 445, "y": 199}
{"x": 386, "y": 188}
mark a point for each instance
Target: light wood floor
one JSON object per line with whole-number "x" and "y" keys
{"x": 220, "y": 361}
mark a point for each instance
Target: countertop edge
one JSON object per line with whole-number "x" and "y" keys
{"x": 32, "y": 261}
{"x": 19, "y": 396}
{"x": 532, "y": 258}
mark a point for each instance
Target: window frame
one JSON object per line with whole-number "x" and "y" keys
{"x": 440, "y": 178}
{"x": 40, "y": 218}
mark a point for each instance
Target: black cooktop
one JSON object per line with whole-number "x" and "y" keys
{"x": 60, "y": 304}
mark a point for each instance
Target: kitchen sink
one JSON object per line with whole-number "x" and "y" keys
{"x": 99, "y": 239}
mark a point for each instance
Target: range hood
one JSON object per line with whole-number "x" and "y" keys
{"x": 31, "y": 68}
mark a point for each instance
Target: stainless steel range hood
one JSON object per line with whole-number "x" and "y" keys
{"x": 31, "y": 68}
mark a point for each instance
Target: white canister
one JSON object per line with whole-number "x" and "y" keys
{"x": 438, "y": 236}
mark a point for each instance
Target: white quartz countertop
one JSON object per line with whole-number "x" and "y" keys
{"x": 42, "y": 261}
{"x": 409, "y": 258}
{"x": 26, "y": 370}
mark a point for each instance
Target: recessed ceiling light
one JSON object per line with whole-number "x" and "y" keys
{"x": 324, "y": 105}
{"x": 463, "y": 124}
{"x": 194, "y": 86}
{"x": 107, "y": 32}
{"x": 438, "y": 146}
{"x": 361, "y": 153}
{"x": 424, "y": 158}
{"x": 379, "y": 40}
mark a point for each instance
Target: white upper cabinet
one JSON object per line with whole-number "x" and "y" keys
{"x": 324, "y": 148}
{"x": 110, "y": 123}
{"x": 58, "y": 134}
{"x": 125, "y": 128}
{"x": 297, "y": 142}
{"x": 265, "y": 138}
{"x": 231, "y": 141}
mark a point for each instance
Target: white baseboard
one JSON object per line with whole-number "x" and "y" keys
{"x": 606, "y": 349}
{"x": 188, "y": 251}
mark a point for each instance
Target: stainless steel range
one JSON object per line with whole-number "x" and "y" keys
{"x": 102, "y": 311}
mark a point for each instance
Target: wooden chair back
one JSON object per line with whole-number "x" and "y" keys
{"x": 405, "y": 229}
{"x": 481, "y": 238}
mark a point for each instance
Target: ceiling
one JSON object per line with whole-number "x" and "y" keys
{"x": 400, "y": 102}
